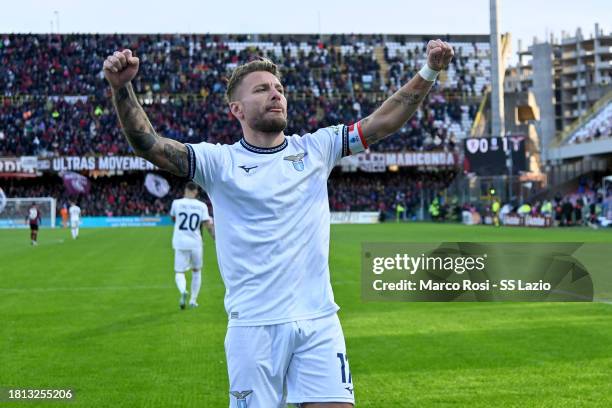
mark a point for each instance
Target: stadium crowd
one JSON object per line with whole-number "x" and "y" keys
{"x": 126, "y": 195}
{"x": 395, "y": 195}
{"x": 61, "y": 127}
{"x": 56, "y": 100}
{"x": 385, "y": 191}
{"x": 108, "y": 196}
{"x": 590, "y": 204}
{"x": 597, "y": 127}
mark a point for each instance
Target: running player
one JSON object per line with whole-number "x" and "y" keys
{"x": 190, "y": 215}
{"x": 284, "y": 342}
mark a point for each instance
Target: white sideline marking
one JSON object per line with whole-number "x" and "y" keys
{"x": 83, "y": 288}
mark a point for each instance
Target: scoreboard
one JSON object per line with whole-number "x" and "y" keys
{"x": 488, "y": 156}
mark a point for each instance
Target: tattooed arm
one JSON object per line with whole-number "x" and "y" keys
{"x": 119, "y": 69}
{"x": 165, "y": 153}
{"x": 397, "y": 109}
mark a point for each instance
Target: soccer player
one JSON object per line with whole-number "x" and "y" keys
{"x": 190, "y": 215}
{"x": 284, "y": 343}
{"x": 64, "y": 215}
{"x": 33, "y": 218}
{"x": 75, "y": 219}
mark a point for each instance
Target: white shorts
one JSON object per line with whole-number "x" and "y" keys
{"x": 185, "y": 259}
{"x": 74, "y": 224}
{"x": 303, "y": 361}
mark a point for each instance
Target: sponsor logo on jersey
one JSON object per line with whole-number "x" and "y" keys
{"x": 297, "y": 160}
{"x": 241, "y": 397}
{"x": 247, "y": 169}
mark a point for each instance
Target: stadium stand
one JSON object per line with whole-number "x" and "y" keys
{"x": 598, "y": 126}
{"x": 127, "y": 196}
{"x": 55, "y": 100}
{"x": 114, "y": 196}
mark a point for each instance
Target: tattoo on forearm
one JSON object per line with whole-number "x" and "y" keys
{"x": 143, "y": 138}
{"x": 407, "y": 99}
{"x": 177, "y": 158}
{"x": 136, "y": 125}
{"x": 375, "y": 136}
{"x": 396, "y": 110}
{"x": 141, "y": 141}
{"x": 122, "y": 94}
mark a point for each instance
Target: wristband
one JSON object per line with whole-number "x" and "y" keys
{"x": 428, "y": 74}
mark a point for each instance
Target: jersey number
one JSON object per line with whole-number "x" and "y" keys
{"x": 344, "y": 370}
{"x": 194, "y": 221}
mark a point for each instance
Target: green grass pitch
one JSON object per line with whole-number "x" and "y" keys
{"x": 100, "y": 316}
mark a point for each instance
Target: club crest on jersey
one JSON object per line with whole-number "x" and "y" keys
{"x": 297, "y": 161}
{"x": 241, "y": 398}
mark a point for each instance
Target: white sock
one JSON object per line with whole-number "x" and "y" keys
{"x": 73, "y": 233}
{"x": 196, "y": 281}
{"x": 181, "y": 283}
{"x": 76, "y": 232}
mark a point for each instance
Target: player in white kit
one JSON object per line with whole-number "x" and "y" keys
{"x": 190, "y": 215}
{"x": 75, "y": 219}
{"x": 284, "y": 343}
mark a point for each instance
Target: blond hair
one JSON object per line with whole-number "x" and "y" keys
{"x": 261, "y": 64}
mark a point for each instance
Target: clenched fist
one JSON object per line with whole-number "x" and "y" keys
{"x": 439, "y": 54}
{"x": 120, "y": 68}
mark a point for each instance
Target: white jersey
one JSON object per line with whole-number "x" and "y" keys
{"x": 272, "y": 222}
{"x": 32, "y": 214}
{"x": 189, "y": 214}
{"x": 75, "y": 213}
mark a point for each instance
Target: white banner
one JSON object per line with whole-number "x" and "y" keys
{"x": 13, "y": 165}
{"x": 2, "y": 200}
{"x": 29, "y": 163}
{"x": 346, "y": 217}
{"x": 378, "y": 162}
{"x": 102, "y": 163}
{"x": 369, "y": 162}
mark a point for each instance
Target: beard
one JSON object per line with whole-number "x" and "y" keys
{"x": 268, "y": 125}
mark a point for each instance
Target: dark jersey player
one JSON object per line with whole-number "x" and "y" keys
{"x": 33, "y": 218}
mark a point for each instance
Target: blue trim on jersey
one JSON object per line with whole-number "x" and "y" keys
{"x": 263, "y": 150}
{"x": 191, "y": 162}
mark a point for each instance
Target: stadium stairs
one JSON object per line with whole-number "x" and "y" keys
{"x": 561, "y": 148}
{"x": 379, "y": 54}
{"x": 479, "y": 125}
{"x": 567, "y": 134}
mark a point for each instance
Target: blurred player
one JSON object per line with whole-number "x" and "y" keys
{"x": 190, "y": 215}
{"x": 284, "y": 342}
{"x": 64, "y": 215}
{"x": 495, "y": 207}
{"x": 75, "y": 219}
{"x": 33, "y": 218}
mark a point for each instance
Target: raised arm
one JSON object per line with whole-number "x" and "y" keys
{"x": 167, "y": 154}
{"x": 397, "y": 109}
